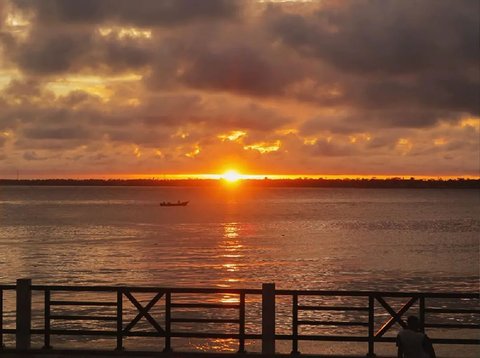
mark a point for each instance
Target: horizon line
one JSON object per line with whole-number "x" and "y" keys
{"x": 173, "y": 177}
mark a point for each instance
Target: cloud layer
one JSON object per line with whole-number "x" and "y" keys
{"x": 115, "y": 87}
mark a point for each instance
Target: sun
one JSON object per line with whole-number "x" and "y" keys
{"x": 231, "y": 176}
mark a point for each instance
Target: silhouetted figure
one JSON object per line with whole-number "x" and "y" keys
{"x": 413, "y": 343}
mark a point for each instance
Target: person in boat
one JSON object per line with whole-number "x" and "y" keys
{"x": 412, "y": 342}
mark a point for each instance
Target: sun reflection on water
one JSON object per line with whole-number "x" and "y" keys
{"x": 217, "y": 345}
{"x": 230, "y": 298}
{"x": 231, "y": 230}
{"x": 231, "y": 252}
{"x": 231, "y": 267}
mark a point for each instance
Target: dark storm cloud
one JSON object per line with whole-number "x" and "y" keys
{"x": 235, "y": 58}
{"x": 62, "y": 133}
{"x": 56, "y": 45}
{"x": 374, "y": 118}
{"x": 3, "y": 14}
{"x": 139, "y": 135}
{"x": 77, "y": 97}
{"x": 435, "y": 92}
{"x": 136, "y": 13}
{"x": 125, "y": 54}
{"x": 32, "y": 155}
{"x": 240, "y": 69}
{"x": 22, "y": 90}
{"x": 52, "y": 51}
{"x": 399, "y": 54}
{"x": 169, "y": 110}
{"x": 327, "y": 148}
{"x": 218, "y": 113}
{"x": 386, "y": 36}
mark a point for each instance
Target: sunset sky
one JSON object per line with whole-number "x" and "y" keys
{"x": 112, "y": 88}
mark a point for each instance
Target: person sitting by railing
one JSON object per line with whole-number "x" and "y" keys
{"x": 413, "y": 343}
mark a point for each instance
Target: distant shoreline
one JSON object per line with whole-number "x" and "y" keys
{"x": 286, "y": 183}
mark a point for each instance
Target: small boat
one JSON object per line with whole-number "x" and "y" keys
{"x": 178, "y": 203}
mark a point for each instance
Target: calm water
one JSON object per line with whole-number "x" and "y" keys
{"x": 363, "y": 239}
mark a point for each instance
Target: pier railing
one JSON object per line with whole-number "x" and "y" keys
{"x": 373, "y": 313}
{"x": 373, "y": 302}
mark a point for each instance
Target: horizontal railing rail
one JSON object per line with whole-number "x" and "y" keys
{"x": 470, "y": 295}
{"x": 145, "y": 289}
{"x": 363, "y": 316}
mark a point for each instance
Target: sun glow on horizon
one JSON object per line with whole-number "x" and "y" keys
{"x": 231, "y": 176}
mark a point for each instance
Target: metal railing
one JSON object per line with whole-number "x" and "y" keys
{"x": 370, "y": 299}
{"x": 363, "y": 305}
{"x": 126, "y": 328}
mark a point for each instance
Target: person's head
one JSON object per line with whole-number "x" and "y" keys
{"x": 413, "y": 323}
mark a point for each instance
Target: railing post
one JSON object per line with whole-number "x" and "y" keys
{"x": 1, "y": 320}
{"x": 241, "y": 325}
{"x": 268, "y": 318}
{"x": 371, "y": 326}
{"x": 295, "y": 324}
{"x": 23, "y": 314}
{"x": 119, "y": 319}
{"x": 421, "y": 313}
{"x": 46, "y": 318}
{"x": 168, "y": 322}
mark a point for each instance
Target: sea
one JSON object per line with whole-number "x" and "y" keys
{"x": 232, "y": 236}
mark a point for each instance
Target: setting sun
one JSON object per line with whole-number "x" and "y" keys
{"x": 231, "y": 176}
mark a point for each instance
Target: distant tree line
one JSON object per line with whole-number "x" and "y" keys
{"x": 459, "y": 183}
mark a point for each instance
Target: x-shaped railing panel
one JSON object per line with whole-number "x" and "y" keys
{"x": 143, "y": 311}
{"x": 396, "y": 316}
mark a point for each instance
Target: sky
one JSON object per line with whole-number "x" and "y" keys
{"x": 115, "y": 88}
